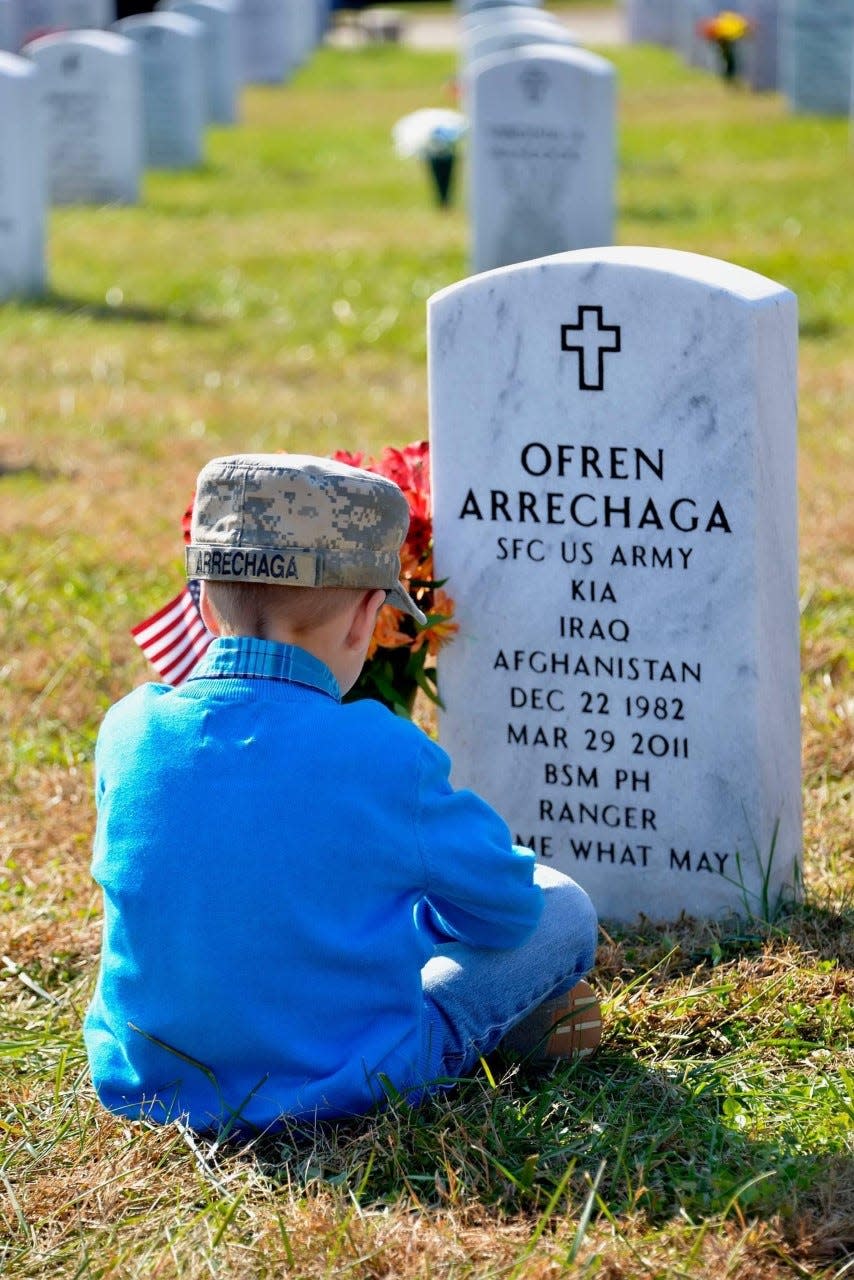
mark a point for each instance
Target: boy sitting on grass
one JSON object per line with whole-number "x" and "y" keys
{"x": 300, "y": 913}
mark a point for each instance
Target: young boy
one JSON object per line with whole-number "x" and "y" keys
{"x": 299, "y": 910}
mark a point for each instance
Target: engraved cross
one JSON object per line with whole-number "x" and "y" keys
{"x": 592, "y": 340}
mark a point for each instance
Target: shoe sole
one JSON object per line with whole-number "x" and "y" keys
{"x": 578, "y": 1030}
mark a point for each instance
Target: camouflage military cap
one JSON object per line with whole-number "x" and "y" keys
{"x": 294, "y": 520}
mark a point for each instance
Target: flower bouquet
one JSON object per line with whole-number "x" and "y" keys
{"x": 725, "y": 29}
{"x": 175, "y": 637}
{"x": 397, "y": 663}
{"x": 432, "y": 135}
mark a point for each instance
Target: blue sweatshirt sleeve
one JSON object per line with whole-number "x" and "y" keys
{"x": 480, "y": 886}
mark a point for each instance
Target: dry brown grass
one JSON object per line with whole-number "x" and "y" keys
{"x": 726, "y": 1045}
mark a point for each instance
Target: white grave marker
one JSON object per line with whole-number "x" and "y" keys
{"x": 171, "y": 49}
{"x": 759, "y": 50}
{"x": 8, "y": 26}
{"x": 476, "y": 6}
{"x": 817, "y": 55}
{"x": 22, "y": 188}
{"x": 615, "y": 513}
{"x": 219, "y": 22}
{"x": 541, "y": 153}
{"x": 90, "y": 107}
{"x": 651, "y": 22}
{"x": 490, "y": 39}
{"x": 84, "y": 15}
{"x": 265, "y": 52}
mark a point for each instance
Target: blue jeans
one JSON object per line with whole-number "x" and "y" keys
{"x": 474, "y": 995}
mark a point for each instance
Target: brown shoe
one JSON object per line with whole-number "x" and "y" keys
{"x": 569, "y": 1026}
{"x": 576, "y": 1023}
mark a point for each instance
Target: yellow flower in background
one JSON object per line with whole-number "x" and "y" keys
{"x": 730, "y": 26}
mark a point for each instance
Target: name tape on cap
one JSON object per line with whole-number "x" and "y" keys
{"x": 254, "y": 564}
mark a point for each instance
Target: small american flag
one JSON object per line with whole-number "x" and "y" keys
{"x": 174, "y": 638}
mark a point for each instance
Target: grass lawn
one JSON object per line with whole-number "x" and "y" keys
{"x": 276, "y": 299}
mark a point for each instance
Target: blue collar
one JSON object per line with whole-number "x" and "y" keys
{"x": 246, "y": 657}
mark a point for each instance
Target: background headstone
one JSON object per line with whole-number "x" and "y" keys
{"x": 219, "y": 22}
{"x": 8, "y": 27}
{"x": 541, "y": 153}
{"x": 90, "y": 106}
{"x": 817, "y": 55}
{"x": 22, "y": 188}
{"x": 496, "y": 14}
{"x": 760, "y": 48}
{"x": 473, "y": 6}
{"x": 615, "y": 513}
{"x": 84, "y": 15}
{"x": 650, "y": 22}
{"x": 34, "y": 18}
{"x": 171, "y": 50}
{"x": 264, "y": 34}
{"x": 696, "y": 51}
{"x": 484, "y": 41}
{"x": 303, "y": 22}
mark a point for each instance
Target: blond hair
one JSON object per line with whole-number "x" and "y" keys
{"x": 254, "y": 608}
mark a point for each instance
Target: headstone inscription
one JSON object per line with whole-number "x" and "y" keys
{"x": 541, "y": 153}
{"x": 817, "y": 55}
{"x": 265, "y": 55}
{"x": 615, "y": 512}
{"x": 650, "y": 22}
{"x": 171, "y": 50}
{"x": 218, "y": 19}
{"x": 22, "y": 187}
{"x": 90, "y": 108}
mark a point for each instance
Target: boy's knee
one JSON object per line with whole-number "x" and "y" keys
{"x": 571, "y": 911}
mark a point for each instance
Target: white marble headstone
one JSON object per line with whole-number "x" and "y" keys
{"x": 760, "y": 48}
{"x": 90, "y": 108}
{"x": 171, "y": 49}
{"x": 84, "y": 15}
{"x": 541, "y": 153}
{"x": 651, "y": 22}
{"x": 219, "y": 22}
{"x": 696, "y": 51}
{"x": 817, "y": 55}
{"x": 303, "y": 20}
{"x": 496, "y": 14}
{"x": 485, "y": 41}
{"x": 614, "y": 500}
{"x": 474, "y": 6}
{"x": 34, "y": 18}
{"x": 22, "y": 185}
{"x": 8, "y": 26}
{"x": 264, "y": 41}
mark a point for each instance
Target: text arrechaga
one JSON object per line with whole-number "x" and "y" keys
{"x": 586, "y": 509}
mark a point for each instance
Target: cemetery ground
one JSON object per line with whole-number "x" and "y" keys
{"x": 276, "y": 299}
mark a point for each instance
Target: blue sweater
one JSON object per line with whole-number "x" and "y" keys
{"x": 276, "y": 868}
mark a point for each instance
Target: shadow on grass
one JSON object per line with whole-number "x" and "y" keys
{"x": 123, "y": 313}
{"x": 654, "y": 1141}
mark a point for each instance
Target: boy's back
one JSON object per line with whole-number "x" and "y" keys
{"x": 266, "y": 856}
{"x": 298, "y": 908}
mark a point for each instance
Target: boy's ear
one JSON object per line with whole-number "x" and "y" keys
{"x": 209, "y": 618}
{"x": 364, "y": 618}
